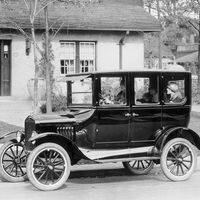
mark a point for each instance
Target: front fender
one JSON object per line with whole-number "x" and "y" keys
{"x": 12, "y": 136}
{"x": 173, "y": 132}
{"x": 61, "y": 140}
{"x": 39, "y": 136}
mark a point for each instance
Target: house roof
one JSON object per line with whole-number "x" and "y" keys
{"x": 193, "y": 25}
{"x": 152, "y": 48}
{"x": 165, "y": 51}
{"x": 115, "y": 15}
{"x": 190, "y": 58}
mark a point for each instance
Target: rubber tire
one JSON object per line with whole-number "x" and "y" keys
{"x": 4, "y": 175}
{"x": 138, "y": 172}
{"x": 31, "y": 160}
{"x": 163, "y": 163}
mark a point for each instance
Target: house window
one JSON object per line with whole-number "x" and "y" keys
{"x": 87, "y": 56}
{"x": 67, "y": 60}
{"x": 77, "y": 57}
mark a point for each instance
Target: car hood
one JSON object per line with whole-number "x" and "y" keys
{"x": 68, "y": 117}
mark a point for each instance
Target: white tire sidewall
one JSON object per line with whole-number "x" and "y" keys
{"x": 163, "y": 162}
{"x": 3, "y": 173}
{"x": 31, "y": 159}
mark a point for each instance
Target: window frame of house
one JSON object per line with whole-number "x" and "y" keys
{"x": 64, "y": 58}
{"x": 77, "y": 59}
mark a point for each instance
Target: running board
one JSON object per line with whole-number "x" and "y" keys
{"x": 127, "y": 159}
{"x": 116, "y": 154}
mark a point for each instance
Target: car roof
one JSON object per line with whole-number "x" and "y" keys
{"x": 130, "y": 71}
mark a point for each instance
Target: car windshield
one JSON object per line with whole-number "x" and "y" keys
{"x": 80, "y": 91}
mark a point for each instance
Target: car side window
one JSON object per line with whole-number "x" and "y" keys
{"x": 113, "y": 91}
{"x": 174, "y": 92}
{"x": 146, "y": 90}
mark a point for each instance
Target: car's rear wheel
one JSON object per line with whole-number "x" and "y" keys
{"x": 48, "y": 166}
{"x": 139, "y": 167}
{"x": 178, "y": 159}
{"x": 13, "y": 162}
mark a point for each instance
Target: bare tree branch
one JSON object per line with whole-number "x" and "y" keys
{"x": 193, "y": 25}
{"x": 20, "y": 29}
{"x": 54, "y": 35}
{"x": 26, "y": 4}
{"x": 42, "y": 8}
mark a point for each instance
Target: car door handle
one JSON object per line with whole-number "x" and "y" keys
{"x": 135, "y": 115}
{"x": 127, "y": 114}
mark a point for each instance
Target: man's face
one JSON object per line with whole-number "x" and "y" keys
{"x": 152, "y": 91}
{"x": 122, "y": 87}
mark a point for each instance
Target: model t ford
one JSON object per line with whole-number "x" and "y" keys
{"x": 138, "y": 118}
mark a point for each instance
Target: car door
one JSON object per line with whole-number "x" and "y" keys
{"x": 112, "y": 123}
{"x": 146, "y": 108}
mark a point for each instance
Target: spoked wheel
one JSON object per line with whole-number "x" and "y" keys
{"x": 139, "y": 167}
{"x": 48, "y": 166}
{"x": 178, "y": 159}
{"x": 13, "y": 162}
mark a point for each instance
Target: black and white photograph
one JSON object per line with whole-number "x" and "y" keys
{"x": 99, "y": 99}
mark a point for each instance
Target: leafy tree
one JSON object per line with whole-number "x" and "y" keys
{"x": 194, "y": 7}
{"x": 173, "y": 17}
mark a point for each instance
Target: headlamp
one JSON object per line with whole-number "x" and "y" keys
{"x": 19, "y": 136}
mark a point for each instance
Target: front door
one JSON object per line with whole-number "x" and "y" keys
{"x": 112, "y": 123}
{"x": 146, "y": 109}
{"x": 5, "y": 67}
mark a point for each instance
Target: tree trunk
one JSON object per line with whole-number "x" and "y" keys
{"x": 149, "y": 7}
{"x": 36, "y": 106}
{"x": 159, "y": 38}
{"x": 47, "y": 64}
{"x": 198, "y": 70}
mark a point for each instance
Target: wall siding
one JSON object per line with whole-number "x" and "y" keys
{"x": 107, "y": 51}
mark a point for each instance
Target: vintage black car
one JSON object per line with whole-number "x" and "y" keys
{"x": 139, "y": 118}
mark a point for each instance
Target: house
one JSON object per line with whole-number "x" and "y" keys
{"x": 107, "y": 35}
{"x": 188, "y": 43}
{"x": 187, "y": 48}
{"x": 151, "y": 52}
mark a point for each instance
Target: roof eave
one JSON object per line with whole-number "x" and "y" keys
{"x": 156, "y": 29}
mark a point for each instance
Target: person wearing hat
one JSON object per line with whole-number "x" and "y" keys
{"x": 121, "y": 96}
{"x": 173, "y": 92}
{"x": 154, "y": 95}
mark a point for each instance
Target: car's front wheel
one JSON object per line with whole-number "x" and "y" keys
{"x": 178, "y": 159}
{"x": 139, "y": 167}
{"x": 48, "y": 166}
{"x": 13, "y": 162}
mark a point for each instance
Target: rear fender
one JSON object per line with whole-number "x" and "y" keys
{"x": 174, "y": 132}
{"x": 71, "y": 148}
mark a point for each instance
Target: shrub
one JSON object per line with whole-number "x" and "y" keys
{"x": 59, "y": 103}
{"x": 195, "y": 95}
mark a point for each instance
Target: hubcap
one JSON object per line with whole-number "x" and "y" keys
{"x": 140, "y": 165}
{"x": 13, "y": 161}
{"x": 49, "y": 167}
{"x": 179, "y": 159}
